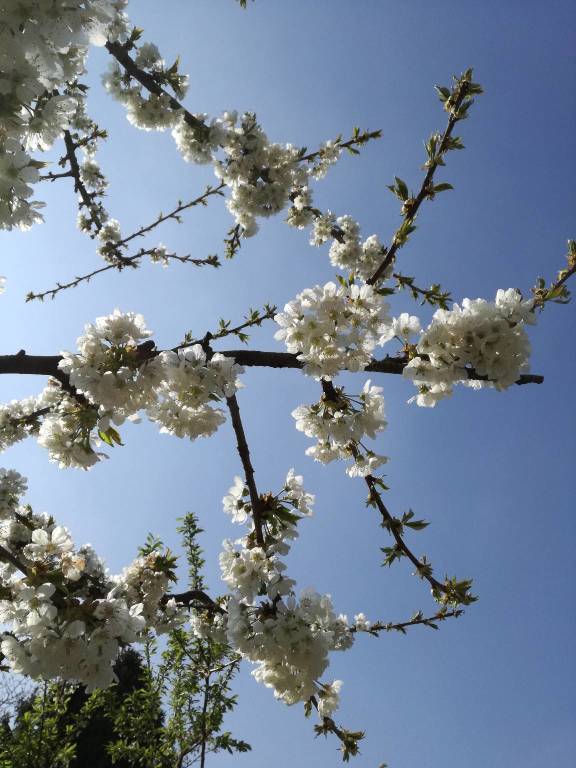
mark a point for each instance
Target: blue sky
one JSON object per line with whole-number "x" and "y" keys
{"x": 493, "y": 472}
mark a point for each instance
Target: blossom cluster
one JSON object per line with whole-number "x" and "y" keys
{"x": 188, "y": 382}
{"x": 114, "y": 375}
{"x": 260, "y": 174}
{"x": 334, "y": 327}
{"x": 340, "y": 424}
{"x": 288, "y": 638}
{"x": 66, "y": 617}
{"x": 488, "y": 338}
{"x": 348, "y": 251}
{"x": 42, "y": 53}
{"x": 108, "y": 368}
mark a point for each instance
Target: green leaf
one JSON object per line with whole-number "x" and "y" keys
{"x": 105, "y": 438}
{"x": 443, "y": 92}
{"x": 402, "y": 188}
{"x": 115, "y": 436}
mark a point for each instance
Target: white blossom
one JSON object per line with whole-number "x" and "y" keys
{"x": 107, "y": 368}
{"x": 329, "y": 698}
{"x": 188, "y": 383}
{"x": 234, "y": 504}
{"x": 333, "y": 328}
{"x": 485, "y": 337}
{"x": 340, "y": 425}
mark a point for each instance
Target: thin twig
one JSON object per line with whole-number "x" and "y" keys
{"x": 53, "y": 176}
{"x": 426, "y": 183}
{"x": 201, "y": 200}
{"x": 126, "y": 261}
{"x": 132, "y": 261}
{"x": 387, "y": 519}
{"x": 381, "y": 626}
{"x": 354, "y": 141}
{"x": 349, "y": 739}
{"x": 224, "y": 331}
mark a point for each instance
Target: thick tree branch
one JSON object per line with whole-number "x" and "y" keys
{"x": 194, "y": 596}
{"x": 47, "y": 365}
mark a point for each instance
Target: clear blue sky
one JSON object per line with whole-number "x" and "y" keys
{"x": 492, "y": 472}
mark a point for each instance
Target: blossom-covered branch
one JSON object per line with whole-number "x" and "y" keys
{"x": 120, "y": 51}
{"x": 86, "y": 197}
{"x": 261, "y": 175}
{"x": 47, "y": 365}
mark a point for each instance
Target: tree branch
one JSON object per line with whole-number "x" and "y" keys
{"x": 132, "y": 261}
{"x": 348, "y": 739}
{"x": 194, "y": 596}
{"x": 124, "y": 261}
{"x": 418, "y": 619}
{"x": 47, "y": 365}
{"x": 120, "y": 53}
{"x": 426, "y": 188}
{"x": 174, "y": 214}
{"x": 244, "y": 453}
{"x": 8, "y": 557}
{"x": 392, "y": 525}
{"x": 79, "y": 187}
{"x": 358, "y": 139}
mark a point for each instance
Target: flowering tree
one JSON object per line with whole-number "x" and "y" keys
{"x": 66, "y": 617}
{"x": 126, "y": 725}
